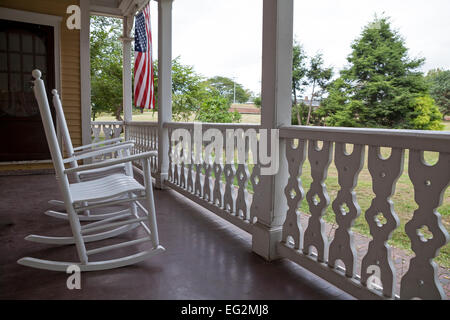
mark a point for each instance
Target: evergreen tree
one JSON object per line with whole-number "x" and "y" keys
{"x": 382, "y": 85}
{"x": 440, "y": 89}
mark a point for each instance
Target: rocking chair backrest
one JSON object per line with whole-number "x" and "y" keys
{"x": 62, "y": 122}
{"x": 50, "y": 132}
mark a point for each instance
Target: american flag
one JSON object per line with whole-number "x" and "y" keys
{"x": 144, "y": 96}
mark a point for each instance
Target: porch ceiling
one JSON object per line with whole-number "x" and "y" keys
{"x": 116, "y": 8}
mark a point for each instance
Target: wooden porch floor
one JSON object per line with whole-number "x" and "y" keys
{"x": 205, "y": 258}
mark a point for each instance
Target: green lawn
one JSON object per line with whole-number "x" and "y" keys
{"x": 404, "y": 204}
{"x": 446, "y": 125}
{"x": 153, "y": 116}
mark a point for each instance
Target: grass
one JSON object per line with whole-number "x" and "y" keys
{"x": 153, "y": 116}
{"x": 246, "y": 118}
{"x": 403, "y": 198}
{"x": 446, "y": 125}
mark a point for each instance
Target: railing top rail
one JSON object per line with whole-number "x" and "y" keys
{"x": 141, "y": 123}
{"x": 406, "y": 139}
{"x": 107, "y": 122}
{"x": 208, "y": 125}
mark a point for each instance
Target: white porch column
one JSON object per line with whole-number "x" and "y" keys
{"x": 164, "y": 87}
{"x": 275, "y": 112}
{"x": 126, "y": 72}
{"x": 85, "y": 73}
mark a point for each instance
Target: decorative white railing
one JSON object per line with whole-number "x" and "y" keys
{"x": 106, "y": 130}
{"x": 145, "y": 137}
{"x": 209, "y": 183}
{"x": 226, "y": 189}
{"x": 429, "y": 181}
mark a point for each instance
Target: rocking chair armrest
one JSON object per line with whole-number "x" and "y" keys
{"x": 109, "y": 141}
{"x": 128, "y": 142}
{"x": 100, "y": 151}
{"x": 108, "y": 163}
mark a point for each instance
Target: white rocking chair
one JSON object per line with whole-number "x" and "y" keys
{"x": 110, "y": 146}
{"x": 103, "y": 192}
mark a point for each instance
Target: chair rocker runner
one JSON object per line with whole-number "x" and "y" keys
{"x": 86, "y": 152}
{"x": 102, "y": 192}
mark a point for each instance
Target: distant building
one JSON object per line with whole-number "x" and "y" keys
{"x": 315, "y": 103}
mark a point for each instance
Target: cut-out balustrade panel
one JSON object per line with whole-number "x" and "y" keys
{"x": 145, "y": 137}
{"x": 342, "y": 180}
{"x": 201, "y": 170}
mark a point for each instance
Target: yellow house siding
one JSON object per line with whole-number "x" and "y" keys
{"x": 70, "y": 61}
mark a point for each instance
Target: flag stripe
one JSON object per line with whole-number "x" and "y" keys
{"x": 143, "y": 69}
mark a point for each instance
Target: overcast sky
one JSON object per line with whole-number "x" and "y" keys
{"x": 223, "y": 37}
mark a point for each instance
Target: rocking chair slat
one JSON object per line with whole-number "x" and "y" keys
{"x": 116, "y": 246}
{"x": 93, "y": 217}
{"x": 113, "y": 225}
{"x": 105, "y": 187}
{"x": 110, "y": 203}
{"x": 106, "y": 220}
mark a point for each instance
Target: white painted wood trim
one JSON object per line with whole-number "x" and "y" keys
{"x": 85, "y": 72}
{"x": 276, "y": 85}
{"x": 164, "y": 86}
{"x": 126, "y": 72}
{"x": 46, "y": 20}
{"x": 407, "y": 139}
{"x": 276, "y": 81}
{"x": 105, "y": 11}
{"x": 349, "y": 285}
{"x": 42, "y": 19}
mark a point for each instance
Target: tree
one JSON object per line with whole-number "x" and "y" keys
{"x": 299, "y": 70}
{"x": 257, "y": 101}
{"x": 337, "y": 106}
{"x": 192, "y": 95}
{"x": 381, "y": 86}
{"x": 227, "y": 88}
{"x": 426, "y": 114}
{"x": 318, "y": 77}
{"x": 439, "y": 81}
{"x": 188, "y": 90}
{"x": 215, "y": 108}
{"x": 106, "y": 66}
